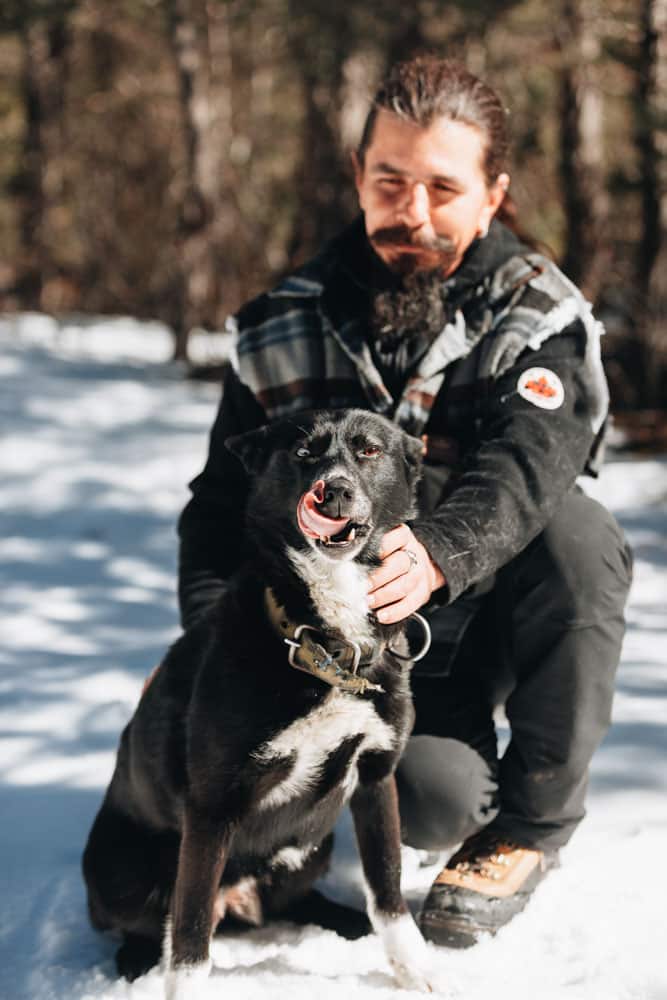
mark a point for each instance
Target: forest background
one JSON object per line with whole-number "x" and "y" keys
{"x": 169, "y": 159}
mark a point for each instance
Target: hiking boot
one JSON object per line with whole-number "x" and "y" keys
{"x": 487, "y": 882}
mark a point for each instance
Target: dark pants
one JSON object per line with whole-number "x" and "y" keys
{"x": 545, "y": 641}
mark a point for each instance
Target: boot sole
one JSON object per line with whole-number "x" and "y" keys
{"x": 456, "y": 933}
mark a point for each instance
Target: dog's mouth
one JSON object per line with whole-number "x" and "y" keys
{"x": 332, "y": 532}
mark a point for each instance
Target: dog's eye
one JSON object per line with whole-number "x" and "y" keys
{"x": 371, "y": 451}
{"x": 303, "y": 452}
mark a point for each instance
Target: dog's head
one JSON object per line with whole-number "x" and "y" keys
{"x": 334, "y": 481}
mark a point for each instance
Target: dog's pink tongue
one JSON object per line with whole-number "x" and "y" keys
{"x": 311, "y": 521}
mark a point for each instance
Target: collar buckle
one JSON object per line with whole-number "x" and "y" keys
{"x": 326, "y": 663}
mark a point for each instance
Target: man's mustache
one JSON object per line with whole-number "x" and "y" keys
{"x": 404, "y": 236}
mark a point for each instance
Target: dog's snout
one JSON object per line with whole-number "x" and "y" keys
{"x": 338, "y": 489}
{"x": 338, "y": 497}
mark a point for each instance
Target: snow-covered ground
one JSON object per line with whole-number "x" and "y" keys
{"x": 99, "y": 435}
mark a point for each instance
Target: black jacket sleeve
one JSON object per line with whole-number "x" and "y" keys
{"x": 211, "y": 525}
{"x": 525, "y": 460}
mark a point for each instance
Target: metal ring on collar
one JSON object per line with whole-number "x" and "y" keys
{"x": 425, "y": 646}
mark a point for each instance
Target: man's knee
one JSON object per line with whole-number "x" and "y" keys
{"x": 446, "y": 791}
{"x": 584, "y": 562}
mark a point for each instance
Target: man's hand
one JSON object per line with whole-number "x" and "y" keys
{"x": 405, "y": 580}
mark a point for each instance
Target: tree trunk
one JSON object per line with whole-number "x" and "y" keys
{"x": 39, "y": 182}
{"x": 318, "y": 44}
{"x": 582, "y": 172}
{"x": 407, "y": 34}
{"x": 650, "y": 118}
{"x": 647, "y": 144}
{"x": 198, "y": 35}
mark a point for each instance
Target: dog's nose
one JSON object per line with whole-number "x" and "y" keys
{"x": 338, "y": 497}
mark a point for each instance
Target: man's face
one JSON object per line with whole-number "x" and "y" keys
{"x": 424, "y": 194}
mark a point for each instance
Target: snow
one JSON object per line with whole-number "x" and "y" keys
{"x": 99, "y": 435}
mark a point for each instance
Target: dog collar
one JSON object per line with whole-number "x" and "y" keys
{"x": 330, "y": 658}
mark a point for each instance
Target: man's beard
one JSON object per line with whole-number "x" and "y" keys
{"x": 413, "y": 306}
{"x": 413, "y": 309}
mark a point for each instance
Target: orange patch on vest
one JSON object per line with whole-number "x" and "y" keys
{"x": 541, "y": 387}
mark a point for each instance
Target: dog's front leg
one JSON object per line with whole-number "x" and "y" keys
{"x": 202, "y": 856}
{"x": 377, "y": 824}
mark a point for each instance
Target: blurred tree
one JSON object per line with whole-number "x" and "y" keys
{"x": 651, "y": 137}
{"x": 38, "y": 183}
{"x": 318, "y": 35}
{"x": 408, "y": 23}
{"x": 124, "y": 153}
{"x": 582, "y": 167}
{"x": 199, "y": 39}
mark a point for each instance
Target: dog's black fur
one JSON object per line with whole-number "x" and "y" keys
{"x": 183, "y": 832}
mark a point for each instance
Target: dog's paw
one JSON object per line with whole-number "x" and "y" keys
{"x": 136, "y": 956}
{"x": 406, "y": 950}
{"x": 187, "y": 982}
{"x": 409, "y": 977}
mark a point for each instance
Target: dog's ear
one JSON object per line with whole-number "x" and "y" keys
{"x": 252, "y": 448}
{"x": 414, "y": 450}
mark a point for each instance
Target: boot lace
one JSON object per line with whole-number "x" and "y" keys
{"x": 483, "y": 858}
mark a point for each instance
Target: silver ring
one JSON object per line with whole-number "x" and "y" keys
{"x": 412, "y": 556}
{"x": 426, "y": 645}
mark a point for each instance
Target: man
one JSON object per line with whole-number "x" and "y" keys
{"x": 431, "y": 311}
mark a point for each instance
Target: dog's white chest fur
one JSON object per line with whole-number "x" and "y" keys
{"x": 339, "y": 592}
{"x": 315, "y": 736}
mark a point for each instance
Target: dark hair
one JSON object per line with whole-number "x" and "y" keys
{"x": 425, "y": 88}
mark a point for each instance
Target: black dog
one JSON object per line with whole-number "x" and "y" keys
{"x": 235, "y": 766}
